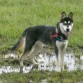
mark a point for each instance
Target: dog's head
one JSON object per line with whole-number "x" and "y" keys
{"x": 66, "y": 23}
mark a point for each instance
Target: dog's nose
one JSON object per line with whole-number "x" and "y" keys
{"x": 67, "y": 30}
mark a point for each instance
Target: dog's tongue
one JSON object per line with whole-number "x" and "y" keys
{"x": 67, "y": 34}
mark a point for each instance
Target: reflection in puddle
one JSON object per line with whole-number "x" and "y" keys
{"x": 9, "y": 69}
{"x": 47, "y": 62}
{"x": 71, "y": 62}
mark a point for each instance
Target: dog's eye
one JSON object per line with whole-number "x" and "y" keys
{"x": 69, "y": 22}
{"x": 64, "y": 22}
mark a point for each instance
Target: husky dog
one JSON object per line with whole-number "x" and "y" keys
{"x": 34, "y": 39}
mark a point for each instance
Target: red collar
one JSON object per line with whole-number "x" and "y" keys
{"x": 54, "y": 36}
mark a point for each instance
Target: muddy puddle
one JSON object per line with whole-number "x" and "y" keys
{"x": 47, "y": 62}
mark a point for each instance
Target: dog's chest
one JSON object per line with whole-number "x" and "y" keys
{"x": 61, "y": 44}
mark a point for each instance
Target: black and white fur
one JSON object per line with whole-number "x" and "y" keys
{"x": 34, "y": 39}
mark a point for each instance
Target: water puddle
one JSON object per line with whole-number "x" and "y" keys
{"x": 9, "y": 69}
{"x": 47, "y": 62}
{"x": 71, "y": 62}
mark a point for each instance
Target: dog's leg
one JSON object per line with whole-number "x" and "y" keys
{"x": 22, "y": 58}
{"x": 60, "y": 55}
{"x": 61, "y": 59}
{"x": 37, "y": 47}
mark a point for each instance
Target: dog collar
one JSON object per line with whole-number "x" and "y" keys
{"x": 54, "y": 36}
{"x": 57, "y": 37}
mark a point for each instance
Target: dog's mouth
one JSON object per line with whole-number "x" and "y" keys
{"x": 67, "y": 33}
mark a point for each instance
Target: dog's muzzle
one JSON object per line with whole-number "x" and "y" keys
{"x": 67, "y": 32}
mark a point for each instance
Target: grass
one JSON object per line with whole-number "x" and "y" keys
{"x": 16, "y": 15}
{"x": 36, "y": 77}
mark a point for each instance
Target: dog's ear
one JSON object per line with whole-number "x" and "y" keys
{"x": 63, "y": 15}
{"x": 70, "y": 15}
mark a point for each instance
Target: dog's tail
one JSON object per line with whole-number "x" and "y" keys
{"x": 21, "y": 42}
{"x": 15, "y": 46}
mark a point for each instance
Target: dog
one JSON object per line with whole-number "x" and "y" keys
{"x": 34, "y": 39}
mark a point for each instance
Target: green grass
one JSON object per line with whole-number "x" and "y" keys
{"x": 16, "y": 15}
{"x": 36, "y": 77}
